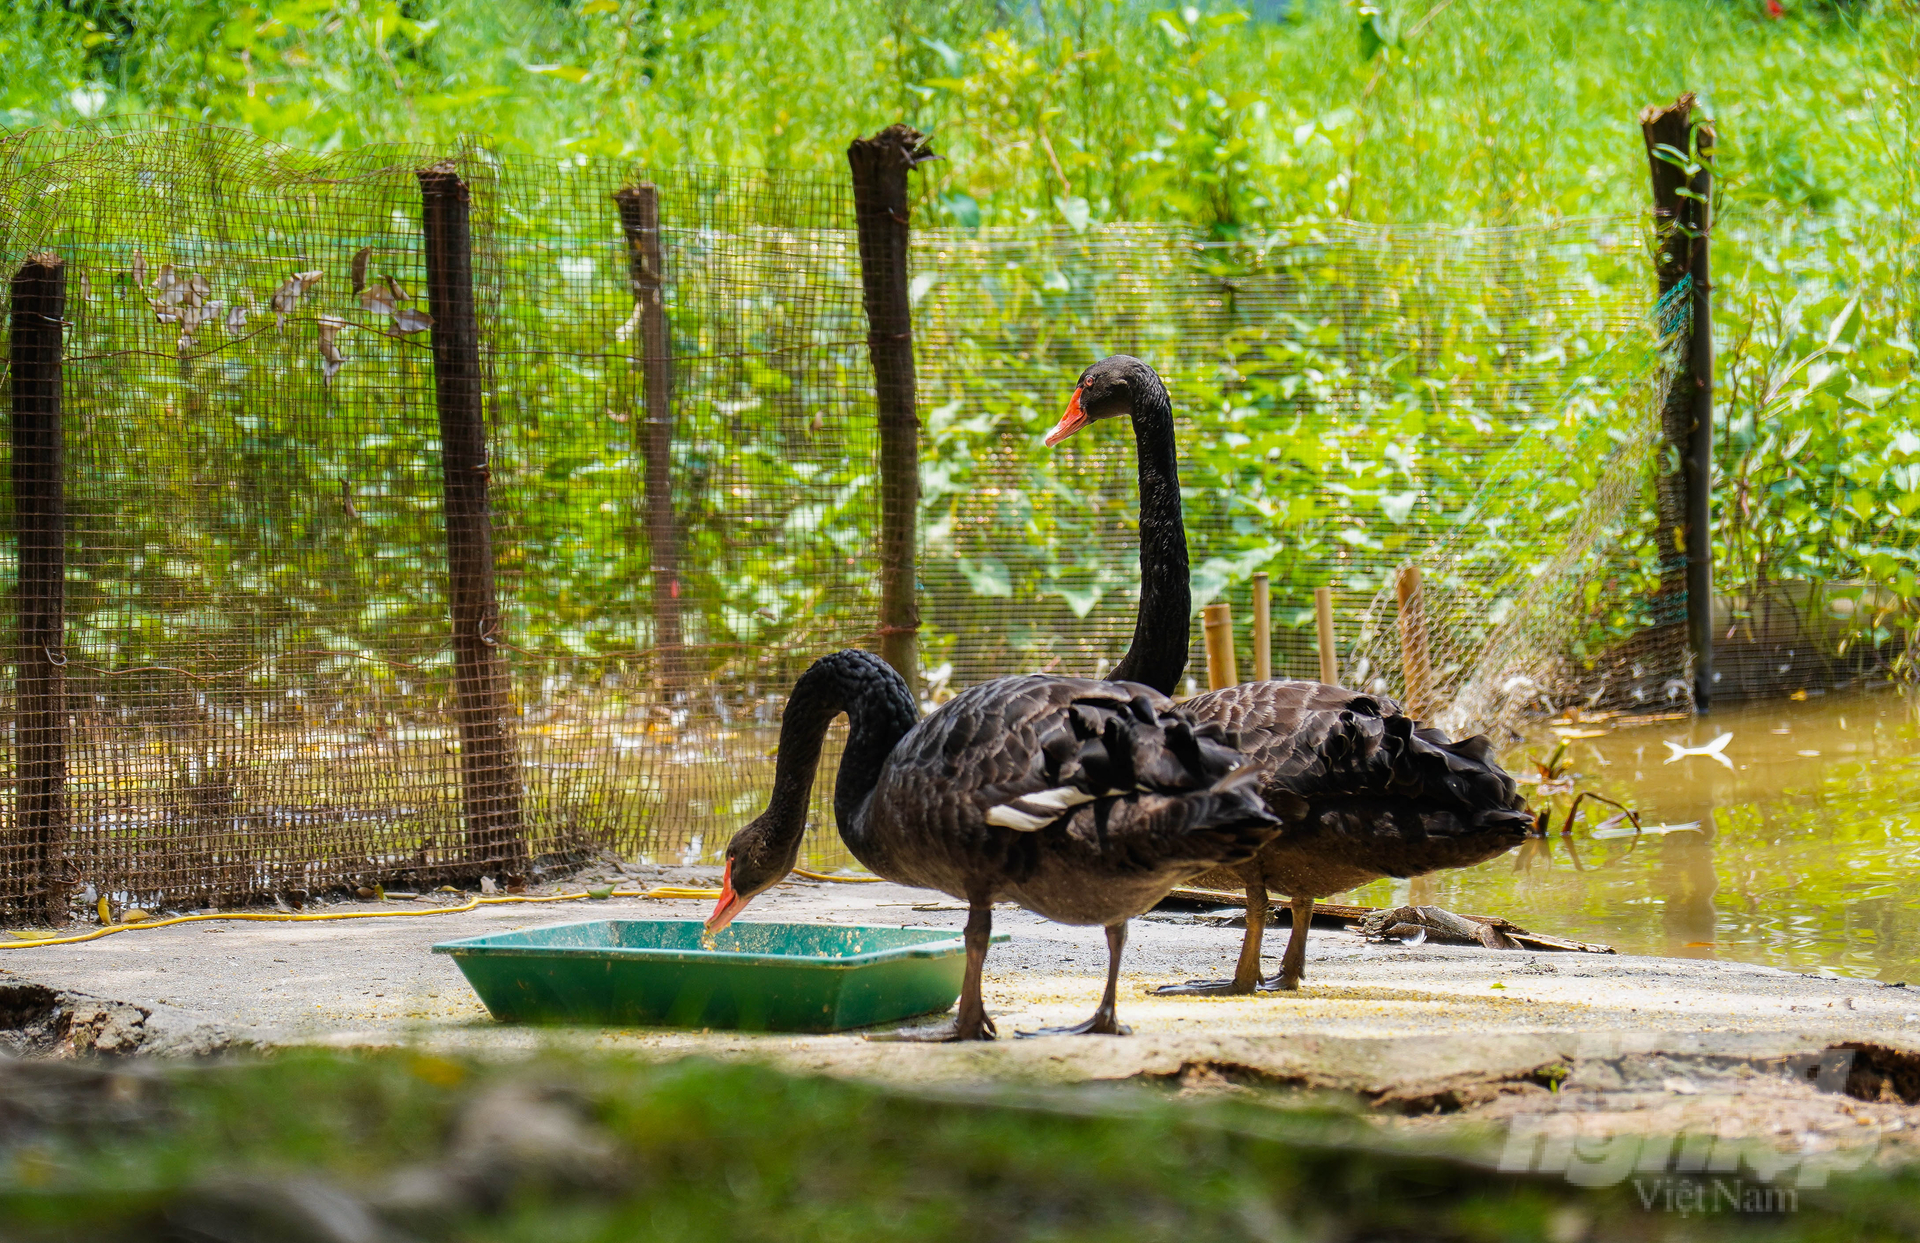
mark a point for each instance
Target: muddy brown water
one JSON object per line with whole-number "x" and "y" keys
{"x": 1804, "y": 853}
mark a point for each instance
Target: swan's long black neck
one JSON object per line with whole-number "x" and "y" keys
{"x": 1158, "y": 656}
{"x": 880, "y": 710}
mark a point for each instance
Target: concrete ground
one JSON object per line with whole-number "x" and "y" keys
{"x": 1408, "y": 1031}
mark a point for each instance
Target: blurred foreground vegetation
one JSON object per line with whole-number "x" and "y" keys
{"x": 313, "y": 1146}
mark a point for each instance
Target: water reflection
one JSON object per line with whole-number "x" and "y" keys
{"x": 1802, "y": 850}
{"x": 1686, "y": 884}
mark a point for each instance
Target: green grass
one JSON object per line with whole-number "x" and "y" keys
{"x": 710, "y": 1152}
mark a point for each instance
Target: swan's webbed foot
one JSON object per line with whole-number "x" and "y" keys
{"x": 950, "y": 1032}
{"x": 1277, "y": 983}
{"x": 1246, "y": 972}
{"x": 1103, "y": 1023}
{"x": 1205, "y": 988}
{"x": 970, "y": 1021}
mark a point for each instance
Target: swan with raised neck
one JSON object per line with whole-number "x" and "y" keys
{"x": 1123, "y": 385}
{"x": 1367, "y": 791}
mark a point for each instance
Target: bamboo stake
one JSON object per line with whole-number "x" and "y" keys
{"x": 1415, "y": 664}
{"x": 1217, "y": 621}
{"x": 1323, "y": 622}
{"x": 1262, "y": 630}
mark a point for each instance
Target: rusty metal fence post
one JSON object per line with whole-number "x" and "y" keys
{"x": 39, "y": 297}
{"x": 489, "y": 769}
{"x": 640, "y": 222}
{"x": 881, "y": 214}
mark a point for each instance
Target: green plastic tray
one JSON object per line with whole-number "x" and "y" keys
{"x": 757, "y": 977}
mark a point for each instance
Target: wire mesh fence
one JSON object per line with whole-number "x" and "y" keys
{"x": 343, "y": 603}
{"x": 265, "y": 687}
{"x": 1350, "y": 401}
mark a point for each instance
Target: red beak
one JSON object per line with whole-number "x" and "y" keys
{"x": 730, "y": 903}
{"x": 1072, "y": 421}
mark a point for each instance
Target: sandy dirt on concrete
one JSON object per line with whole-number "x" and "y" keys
{"x": 1538, "y": 1061}
{"x": 1594, "y": 1045}
{"x": 375, "y": 981}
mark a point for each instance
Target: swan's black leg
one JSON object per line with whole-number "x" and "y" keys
{"x": 1246, "y": 973}
{"x": 1103, "y": 1022}
{"x": 1293, "y": 967}
{"x": 970, "y": 1021}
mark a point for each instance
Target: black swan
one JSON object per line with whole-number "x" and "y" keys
{"x": 1083, "y": 801}
{"x": 1364, "y": 790}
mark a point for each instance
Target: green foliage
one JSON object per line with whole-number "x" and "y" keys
{"x": 1466, "y": 112}
{"x": 1075, "y": 113}
{"x": 1346, "y": 398}
{"x": 1818, "y": 489}
{"x": 712, "y": 1152}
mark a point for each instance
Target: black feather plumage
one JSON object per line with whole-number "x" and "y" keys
{"x": 1065, "y": 795}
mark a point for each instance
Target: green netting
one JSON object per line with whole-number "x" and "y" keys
{"x": 1351, "y": 400}
{"x": 259, "y": 674}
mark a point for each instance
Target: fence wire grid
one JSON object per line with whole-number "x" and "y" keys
{"x": 1349, "y": 401}
{"x": 257, "y": 679}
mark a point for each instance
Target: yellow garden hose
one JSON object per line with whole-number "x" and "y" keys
{"x": 838, "y": 880}
{"x": 276, "y": 917}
